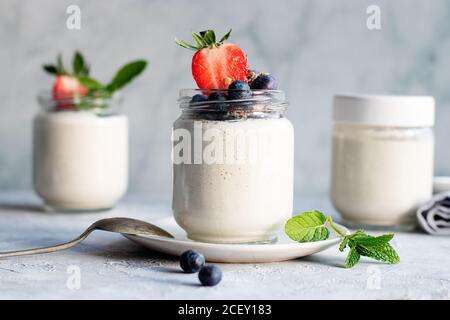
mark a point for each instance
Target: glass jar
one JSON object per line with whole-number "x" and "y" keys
{"x": 382, "y": 159}
{"x": 233, "y": 168}
{"x": 80, "y": 153}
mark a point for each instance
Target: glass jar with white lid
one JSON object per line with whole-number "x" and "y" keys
{"x": 382, "y": 158}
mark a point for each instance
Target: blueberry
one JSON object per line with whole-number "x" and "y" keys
{"x": 265, "y": 81}
{"x": 239, "y": 90}
{"x": 199, "y": 98}
{"x": 210, "y": 275}
{"x": 217, "y": 96}
{"x": 191, "y": 261}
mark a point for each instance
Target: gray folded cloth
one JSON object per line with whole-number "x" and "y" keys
{"x": 434, "y": 216}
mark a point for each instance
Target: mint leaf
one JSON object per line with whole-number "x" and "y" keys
{"x": 377, "y": 248}
{"x": 385, "y": 253}
{"x": 352, "y": 258}
{"x": 343, "y": 244}
{"x": 50, "y": 68}
{"x": 90, "y": 83}
{"x": 307, "y": 227}
{"x": 78, "y": 63}
{"x": 374, "y": 241}
{"x": 126, "y": 74}
{"x": 310, "y": 226}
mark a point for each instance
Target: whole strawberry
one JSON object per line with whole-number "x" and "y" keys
{"x": 215, "y": 65}
{"x": 66, "y": 84}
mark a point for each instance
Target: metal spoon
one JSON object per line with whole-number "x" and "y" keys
{"x": 119, "y": 225}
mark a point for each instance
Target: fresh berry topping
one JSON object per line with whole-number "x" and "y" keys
{"x": 210, "y": 275}
{"x": 217, "y": 96}
{"x": 67, "y": 87}
{"x": 192, "y": 261}
{"x": 239, "y": 90}
{"x": 199, "y": 98}
{"x": 216, "y": 64}
{"x": 264, "y": 81}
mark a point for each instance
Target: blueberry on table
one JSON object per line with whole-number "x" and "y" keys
{"x": 265, "y": 81}
{"x": 199, "y": 98}
{"x": 192, "y": 261}
{"x": 210, "y": 275}
{"x": 239, "y": 89}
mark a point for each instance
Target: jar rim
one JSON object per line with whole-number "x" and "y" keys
{"x": 99, "y": 105}
{"x": 262, "y": 100}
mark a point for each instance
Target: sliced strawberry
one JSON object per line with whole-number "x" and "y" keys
{"x": 216, "y": 64}
{"x": 216, "y": 68}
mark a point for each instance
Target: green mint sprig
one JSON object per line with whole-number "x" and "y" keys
{"x": 312, "y": 226}
{"x": 79, "y": 67}
{"x": 122, "y": 77}
{"x": 80, "y": 70}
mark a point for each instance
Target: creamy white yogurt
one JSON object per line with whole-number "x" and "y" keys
{"x": 80, "y": 159}
{"x": 245, "y": 201}
{"x": 383, "y": 153}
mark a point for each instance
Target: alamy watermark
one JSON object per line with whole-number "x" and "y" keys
{"x": 373, "y": 21}
{"x": 73, "y": 21}
{"x": 73, "y": 281}
{"x": 200, "y": 144}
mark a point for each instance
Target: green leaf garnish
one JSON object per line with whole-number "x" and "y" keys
{"x": 97, "y": 90}
{"x": 203, "y": 39}
{"x": 50, "y": 68}
{"x": 311, "y": 225}
{"x": 78, "y": 63}
{"x": 90, "y": 83}
{"x": 60, "y": 65}
{"x": 126, "y": 74}
{"x": 352, "y": 258}
{"x": 307, "y": 227}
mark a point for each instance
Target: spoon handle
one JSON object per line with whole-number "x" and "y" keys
{"x": 47, "y": 249}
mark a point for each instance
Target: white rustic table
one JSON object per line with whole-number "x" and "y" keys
{"x": 111, "y": 267}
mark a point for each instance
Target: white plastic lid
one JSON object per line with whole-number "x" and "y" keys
{"x": 381, "y": 110}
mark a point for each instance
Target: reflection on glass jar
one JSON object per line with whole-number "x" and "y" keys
{"x": 233, "y": 168}
{"x": 80, "y": 153}
{"x": 382, "y": 163}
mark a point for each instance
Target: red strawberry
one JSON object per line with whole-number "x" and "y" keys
{"x": 66, "y": 87}
{"x": 215, "y": 64}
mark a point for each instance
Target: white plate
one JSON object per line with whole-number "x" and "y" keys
{"x": 283, "y": 249}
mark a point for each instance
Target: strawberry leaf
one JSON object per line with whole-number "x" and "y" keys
{"x": 225, "y": 37}
{"x": 126, "y": 74}
{"x": 199, "y": 40}
{"x": 186, "y": 45}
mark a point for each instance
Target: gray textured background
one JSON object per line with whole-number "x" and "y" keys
{"x": 315, "y": 48}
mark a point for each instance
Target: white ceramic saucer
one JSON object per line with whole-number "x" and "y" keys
{"x": 283, "y": 249}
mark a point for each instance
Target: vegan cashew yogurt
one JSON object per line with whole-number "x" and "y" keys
{"x": 382, "y": 163}
{"x": 233, "y": 172}
{"x": 80, "y": 159}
